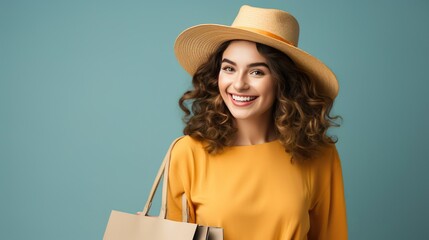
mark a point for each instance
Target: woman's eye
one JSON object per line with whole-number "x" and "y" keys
{"x": 228, "y": 69}
{"x": 257, "y": 73}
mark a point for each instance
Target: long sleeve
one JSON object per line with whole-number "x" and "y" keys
{"x": 179, "y": 181}
{"x": 328, "y": 214}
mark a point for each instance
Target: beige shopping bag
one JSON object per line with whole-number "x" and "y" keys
{"x": 125, "y": 226}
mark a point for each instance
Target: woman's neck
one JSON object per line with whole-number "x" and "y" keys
{"x": 254, "y": 132}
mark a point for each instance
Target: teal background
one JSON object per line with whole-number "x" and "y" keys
{"x": 88, "y": 107}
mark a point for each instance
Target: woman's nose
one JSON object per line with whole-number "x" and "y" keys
{"x": 240, "y": 82}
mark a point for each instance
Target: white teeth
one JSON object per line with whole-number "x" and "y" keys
{"x": 243, "y": 99}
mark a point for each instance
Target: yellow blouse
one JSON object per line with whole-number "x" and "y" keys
{"x": 256, "y": 192}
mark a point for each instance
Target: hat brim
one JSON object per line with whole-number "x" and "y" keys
{"x": 194, "y": 45}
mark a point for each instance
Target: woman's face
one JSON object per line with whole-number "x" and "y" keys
{"x": 245, "y": 82}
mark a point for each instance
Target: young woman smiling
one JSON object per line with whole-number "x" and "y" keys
{"x": 256, "y": 159}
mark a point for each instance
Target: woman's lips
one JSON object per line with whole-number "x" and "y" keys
{"x": 241, "y": 100}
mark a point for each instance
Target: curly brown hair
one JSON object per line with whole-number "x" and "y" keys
{"x": 301, "y": 113}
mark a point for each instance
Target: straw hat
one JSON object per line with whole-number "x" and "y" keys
{"x": 271, "y": 27}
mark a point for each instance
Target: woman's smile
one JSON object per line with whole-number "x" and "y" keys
{"x": 241, "y": 100}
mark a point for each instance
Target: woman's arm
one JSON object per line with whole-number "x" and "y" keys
{"x": 328, "y": 215}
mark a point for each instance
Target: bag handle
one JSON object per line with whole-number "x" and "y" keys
{"x": 163, "y": 171}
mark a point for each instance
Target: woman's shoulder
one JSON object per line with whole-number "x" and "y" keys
{"x": 186, "y": 145}
{"x": 325, "y": 165}
{"x": 324, "y": 169}
{"x": 187, "y": 142}
{"x": 328, "y": 152}
{"x": 186, "y": 152}
{"x": 324, "y": 159}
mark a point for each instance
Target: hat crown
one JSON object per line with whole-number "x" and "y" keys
{"x": 279, "y": 23}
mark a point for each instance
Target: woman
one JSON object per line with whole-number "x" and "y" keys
{"x": 256, "y": 159}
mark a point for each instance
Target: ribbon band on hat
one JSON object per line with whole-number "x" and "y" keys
{"x": 266, "y": 33}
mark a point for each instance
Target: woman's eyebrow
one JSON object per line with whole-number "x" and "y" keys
{"x": 256, "y": 64}
{"x": 229, "y": 61}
